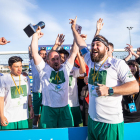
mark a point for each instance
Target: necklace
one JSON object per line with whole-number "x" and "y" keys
{"x": 18, "y": 89}
{"x": 95, "y": 74}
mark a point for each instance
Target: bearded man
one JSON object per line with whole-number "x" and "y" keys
{"x": 108, "y": 80}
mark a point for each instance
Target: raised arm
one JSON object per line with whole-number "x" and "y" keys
{"x": 3, "y": 41}
{"x": 73, "y": 53}
{"x": 129, "y": 55}
{"x": 99, "y": 26}
{"x": 34, "y": 46}
{"x": 59, "y": 41}
{"x": 82, "y": 64}
{"x": 80, "y": 42}
{"x": 130, "y": 48}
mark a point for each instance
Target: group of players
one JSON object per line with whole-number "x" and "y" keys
{"x": 55, "y": 87}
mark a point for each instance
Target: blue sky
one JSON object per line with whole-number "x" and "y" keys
{"x": 117, "y": 15}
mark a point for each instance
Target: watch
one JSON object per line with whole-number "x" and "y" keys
{"x": 110, "y": 91}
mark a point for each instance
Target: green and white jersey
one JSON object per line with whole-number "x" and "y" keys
{"x": 114, "y": 72}
{"x": 73, "y": 89}
{"x": 15, "y": 104}
{"x": 55, "y": 84}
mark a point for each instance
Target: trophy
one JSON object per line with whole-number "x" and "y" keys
{"x": 31, "y": 29}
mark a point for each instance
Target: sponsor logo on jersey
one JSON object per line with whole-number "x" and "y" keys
{"x": 57, "y": 78}
{"x": 15, "y": 93}
{"x": 100, "y": 78}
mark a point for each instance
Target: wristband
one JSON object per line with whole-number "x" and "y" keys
{"x": 30, "y": 106}
{"x": 84, "y": 51}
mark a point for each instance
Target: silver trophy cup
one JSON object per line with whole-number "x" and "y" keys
{"x": 31, "y": 29}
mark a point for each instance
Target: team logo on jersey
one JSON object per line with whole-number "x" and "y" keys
{"x": 107, "y": 65}
{"x": 57, "y": 77}
{"x": 129, "y": 74}
{"x": 25, "y": 80}
{"x": 15, "y": 93}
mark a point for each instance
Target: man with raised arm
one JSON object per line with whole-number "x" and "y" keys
{"x": 55, "y": 82}
{"x": 37, "y": 89}
{"x": 108, "y": 80}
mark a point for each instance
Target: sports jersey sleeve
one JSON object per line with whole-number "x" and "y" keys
{"x": 124, "y": 73}
{"x": 2, "y": 88}
{"x": 87, "y": 58}
{"x": 41, "y": 66}
{"x": 77, "y": 73}
{"x": 28, "y": 84}
{"x": 68, "y": 67}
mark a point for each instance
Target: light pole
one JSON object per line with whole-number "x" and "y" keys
{"x": 129, "y": 28}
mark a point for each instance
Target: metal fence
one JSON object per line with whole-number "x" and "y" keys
{"x": 4, "y": 56}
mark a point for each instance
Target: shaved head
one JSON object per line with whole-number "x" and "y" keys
{"x": 54, "y": 60}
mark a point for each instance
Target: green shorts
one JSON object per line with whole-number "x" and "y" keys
{"x": 37, "y": 103}
{"x": 105, "y": 131}
{"x": 76, "y": 113}
{"x": 56, "y": 117}
{"x": 16, "y": 125}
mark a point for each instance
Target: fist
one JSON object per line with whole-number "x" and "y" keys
{"x": 102, "y": 90}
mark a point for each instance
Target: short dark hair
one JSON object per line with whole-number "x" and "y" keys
{"x": 111, "y": 44}
{"x": 41, "y": 50}
{"x": 134, "y": 63}
{"x": 14, "y": 59}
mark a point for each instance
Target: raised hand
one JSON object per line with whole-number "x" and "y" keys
{"x": 73, "y": 22}
{"x": 100, "y": 24}
{"x": 138, "y": 51}
{"x": 129, "y": 48}
{"x": 3, "y": 41}
{"x": 59, "y": 40}
{"x": 84, "y": 36}
{"x": 39, "y": 33}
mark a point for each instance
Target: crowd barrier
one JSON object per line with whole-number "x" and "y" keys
{"x": 131, "y": 132}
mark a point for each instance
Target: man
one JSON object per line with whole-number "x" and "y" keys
{"x": 110, "y": 49}
{"x": 73, "y": 100}
{"x": 15, "y": 96}
{"x": 37, "y": 89}
{"x": 55, "y": 79}
{"x": 108, "y": 80}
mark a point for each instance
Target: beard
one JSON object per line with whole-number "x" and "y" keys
{"x": 99, "y": 57}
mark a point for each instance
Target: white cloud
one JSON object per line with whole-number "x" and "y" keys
{"x": 16, "y": 15}
{"x": 115, "y": 26}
